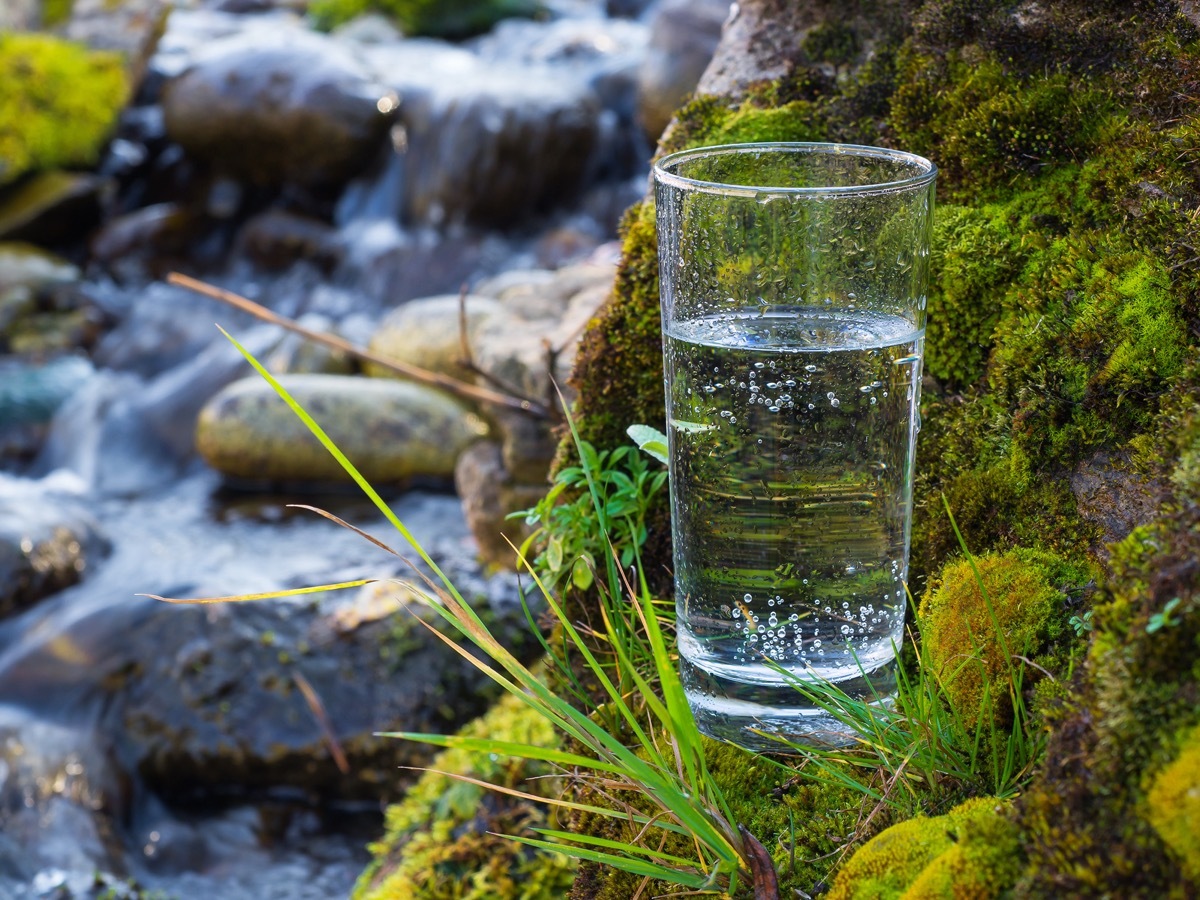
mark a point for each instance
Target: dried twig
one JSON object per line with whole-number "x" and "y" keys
{"x": 424, "y": 376}
{"x": 318, "y": 711}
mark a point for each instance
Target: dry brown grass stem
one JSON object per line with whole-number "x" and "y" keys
{"x": 423, "y": 376}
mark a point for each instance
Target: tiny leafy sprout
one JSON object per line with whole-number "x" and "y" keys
{"x": 1164, "y": 619}
{"x": 650, "y": 440}
{"x": 1081, "y": 624}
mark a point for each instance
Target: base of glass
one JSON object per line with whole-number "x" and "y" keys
{"x": 764, "y": 717}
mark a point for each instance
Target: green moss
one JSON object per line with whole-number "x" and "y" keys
{"x": 775, "y": 111}
{"x": 976, "y": 252}
{"x": 1025, "y": 594}
{"x": 1086, "y": 831}
{"x": 452, "y": 19}
{"x": 970, "y": 853}
{"x": 59, "y": 104}
{"x": 55, "y": 12}
{"x": 1064, "y": 329}
{"x": 1173, "y": 805}
{"x": 445, "y": 840}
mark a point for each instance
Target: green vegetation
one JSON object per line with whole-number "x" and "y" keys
{"x": 566, "y": 529}
{"x": 970, "y": 853}
{"x": 59, "y": 104}
{"x": 1065, "y": 316}
{"x": 983, "y": 613}
{"x": 452, "y": 19}
{"x": 448, "y": 838}
{"x": 1064, "y": 322}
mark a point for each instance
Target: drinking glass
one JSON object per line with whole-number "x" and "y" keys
{"x": 793, "y": 281}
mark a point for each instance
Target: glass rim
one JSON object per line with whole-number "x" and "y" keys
{"x": 926, "y": 170}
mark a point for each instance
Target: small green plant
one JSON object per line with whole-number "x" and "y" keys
{"x": 1081, "y": 623}
{"x": 1164, "y": 618}
{"x": 568, "y": 518}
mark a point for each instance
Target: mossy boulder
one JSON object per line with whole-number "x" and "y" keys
{"x": 1173, "y": 805}
{"x": 970, "y": 853}
{"x": 983, "y": 615}
{"x": 392, "y": 431}
{"x": 59, "y": 105}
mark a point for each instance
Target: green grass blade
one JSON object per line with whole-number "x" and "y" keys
{"x": 625, "y": 864}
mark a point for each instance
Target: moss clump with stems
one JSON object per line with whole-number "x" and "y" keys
{"x": 983, "y": 614}
{"x": 969, "y": 853}
{"x": 59, "y": 104}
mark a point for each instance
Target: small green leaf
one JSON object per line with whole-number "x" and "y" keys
{"x": 651, "y": 440}
{"x": 554, "y": 554}
{"x": 581, "y": 574}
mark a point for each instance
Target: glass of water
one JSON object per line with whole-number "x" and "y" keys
{"x": 793, "y": 280}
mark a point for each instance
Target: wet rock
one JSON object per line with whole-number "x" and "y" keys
{"x": 427, "y": 333}
{"x": 275, "y": 239}
{"x": 393, "y": 431}
{"x": 1113, "y": 496}
{"x": 51, "y": 206}
{"x": 46, "y": 544}
{"x": 30, "y": 393}
{"x": 486, "y": 145}
{"x": 489, "y": 495}
{"x": 161, "y": 228}
{"x": 683, "y": 36}
{"x": 26, "y": 272}
{"x": 545, "y": 321}
{"x": 233, "y": 701}
{"x": 279, "y": 105}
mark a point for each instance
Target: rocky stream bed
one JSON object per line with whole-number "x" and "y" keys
{"x": 355, "y": 182}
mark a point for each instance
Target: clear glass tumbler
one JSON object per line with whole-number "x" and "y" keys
{"x": 793, "y": 281}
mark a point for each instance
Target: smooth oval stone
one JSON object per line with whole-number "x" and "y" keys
{"x": 392, "y": 431}
{"x": 426, "y": 333}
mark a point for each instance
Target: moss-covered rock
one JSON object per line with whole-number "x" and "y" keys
{"x": 970, "y": 853}
{"x": 984, "y": 614}
{"x": 447, "y": 838}
{"x": 59, "y": 104}
{"x": 1173, "y": 805}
